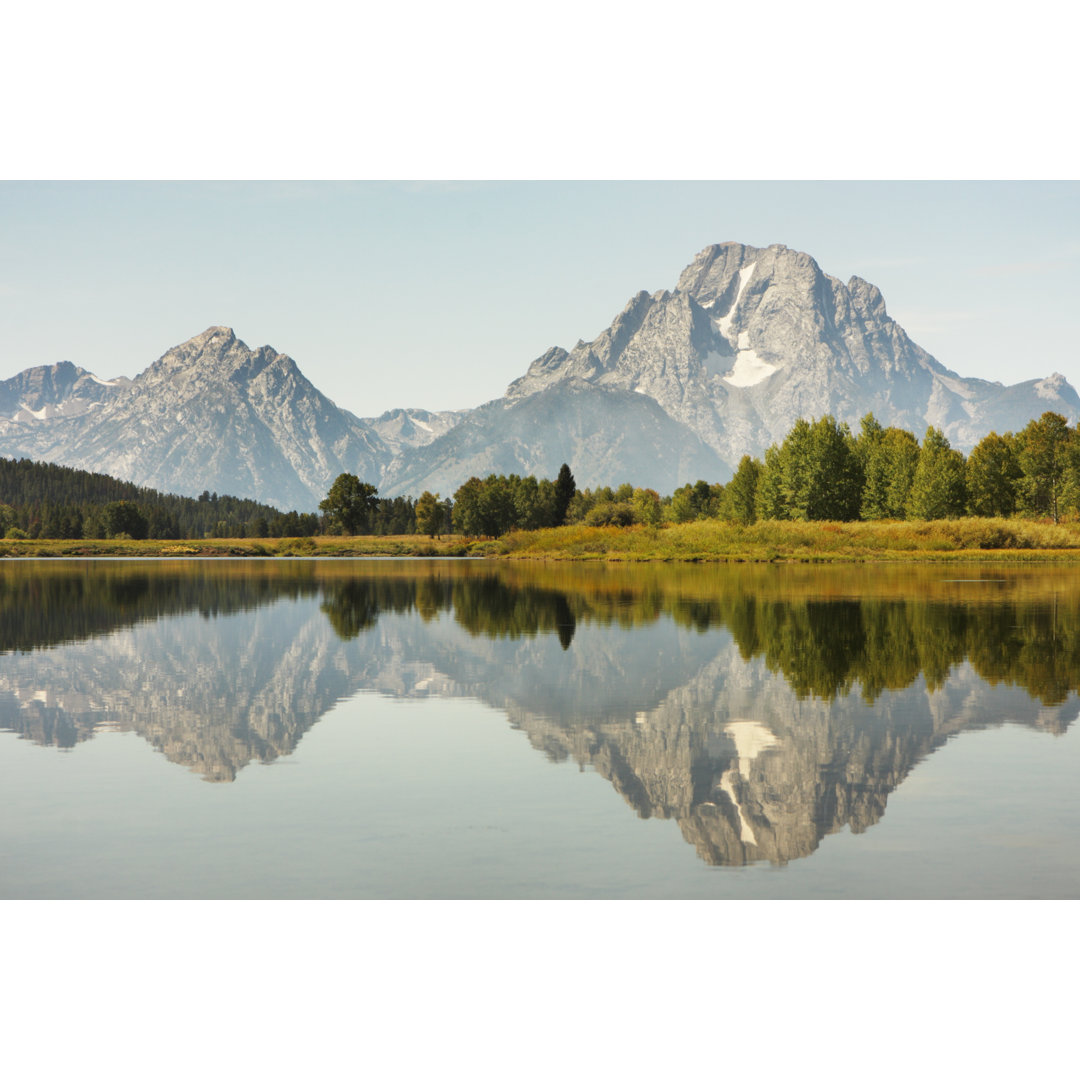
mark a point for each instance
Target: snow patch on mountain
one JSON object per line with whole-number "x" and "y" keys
{"x": 749, "y": 369}
{"x": 723, "y": 324}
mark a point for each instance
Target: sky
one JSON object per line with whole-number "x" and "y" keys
{"x": 438, "y": 294}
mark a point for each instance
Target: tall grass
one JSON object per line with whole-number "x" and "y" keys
{"x": 802, "y": 541}
{"x": 695, "y": 541}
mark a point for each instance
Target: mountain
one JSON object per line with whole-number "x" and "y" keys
{"x": 678, "y": 388}
{"x": 60, "y": 390}
{"x": 209, "y": 414}
{"x": 606, "y": 434}
{"x": 752, "y": 339}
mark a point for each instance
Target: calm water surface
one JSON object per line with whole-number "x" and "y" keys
{"x": 467, "y": 729}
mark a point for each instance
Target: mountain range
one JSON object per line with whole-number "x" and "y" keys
{"x": 678, "y": 388}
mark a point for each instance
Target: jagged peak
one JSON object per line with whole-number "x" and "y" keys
{"x": 212, "y": 332}
{"x": 867, "y": 293}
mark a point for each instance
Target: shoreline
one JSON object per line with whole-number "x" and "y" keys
{"x": 962, "y": 539}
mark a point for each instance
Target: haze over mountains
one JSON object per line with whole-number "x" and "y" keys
{"x": 678, "y": 388}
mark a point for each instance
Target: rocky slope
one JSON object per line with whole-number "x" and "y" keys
{"x": 752, "y": 339}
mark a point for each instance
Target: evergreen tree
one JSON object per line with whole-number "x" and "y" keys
{"x": 564, "y": 492}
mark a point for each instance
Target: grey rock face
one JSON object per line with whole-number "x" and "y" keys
{"x": 752, "y": 339}
{"x": 402, "y": 430}
{"x": 61, "y": 390}
{"x": 606, "y": 434}
{"x": 209, "y": 414}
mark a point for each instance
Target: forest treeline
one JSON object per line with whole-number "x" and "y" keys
{"x": 823, "y": 472}
{"x": 46, "y": 501}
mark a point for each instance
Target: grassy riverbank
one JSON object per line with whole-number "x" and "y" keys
{"x": 695, "y": 541}
{"x": 339, "y": 546}
{"x": 805, "y": 541}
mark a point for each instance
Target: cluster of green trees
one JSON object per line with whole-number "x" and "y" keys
{"x": 498, "y": 504}
{"x": 353, "y": 508}
{"x": 487, "y": 507}
{"x": 820, "y": 472}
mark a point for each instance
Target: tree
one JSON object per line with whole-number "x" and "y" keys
{"x": 1043, "y": 454}
{"x": 646, "y": 504}
{"x": 124, "y": 517}
{"x": 938, "y": 489}
{"x": 466, "y": 513}
{"x": 564, "y": 492}
{"x": 993, "y": 473}
{"x": 889, "y": 463}
{"x": 769, "y": 498}
{"x": 819, "y": 474}
{"x": 738, "y": 501}
{"x": 429, "y": 514}
{"x": 349, "y": 505}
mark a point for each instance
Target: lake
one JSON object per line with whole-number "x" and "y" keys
{"x": 475, "y": 729}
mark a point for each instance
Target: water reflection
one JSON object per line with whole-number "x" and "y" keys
{"x": 761, "y": 708}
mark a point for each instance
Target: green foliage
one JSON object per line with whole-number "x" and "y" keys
{"x": 1044, "y": 453}
{"x": 695, "y": 502}
{"x": 814, "y": 475}
{"x": 8, "y": 518}
{"x": 739, "y": 499}
{"x": 429, "y": 514}
{"x": 54, "y": 501}
{"x": 889, "y": 462}
{"x": 646, "y": 505}
{"x": 993, "y": 472}
{"x": 495, "y": 505}
{"x": 611, "y": 513}
{"x": 938, "y": 489}
{"x": 466, "y": 514}
{"x": 769, "y": 499}
{"x": 349, "y": 505}
{"x": 124, "y": 519}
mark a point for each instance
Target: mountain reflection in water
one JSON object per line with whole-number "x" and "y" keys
{"x": 760, "y": 707}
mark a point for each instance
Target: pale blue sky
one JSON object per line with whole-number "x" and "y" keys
{"x": 439, "y": 294}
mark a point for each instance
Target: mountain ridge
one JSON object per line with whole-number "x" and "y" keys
{"x": 679, "y": 386}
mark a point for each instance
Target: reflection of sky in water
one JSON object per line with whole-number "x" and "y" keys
{"x": 736, "y": 721}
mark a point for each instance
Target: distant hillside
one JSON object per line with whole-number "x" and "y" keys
{"x": 54, "y": 500}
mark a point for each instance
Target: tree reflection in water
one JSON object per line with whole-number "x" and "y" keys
{"x": 759, "y": 707}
